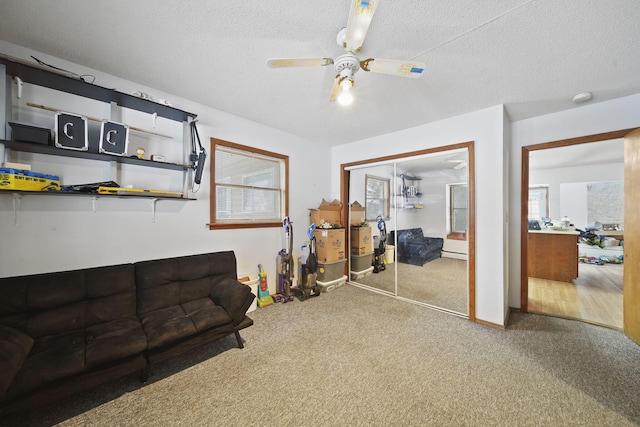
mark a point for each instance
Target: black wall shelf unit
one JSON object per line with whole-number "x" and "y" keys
{"x": 41, "y": 75}
{"x": 55, "y": 151}
{"x": 38, "y": 75}
{"x": 152, "y": 196}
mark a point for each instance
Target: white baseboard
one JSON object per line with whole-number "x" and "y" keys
{"x": 455, "y": 255}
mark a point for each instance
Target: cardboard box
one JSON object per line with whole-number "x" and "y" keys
{"x": 330, "y": 244}
{"x": 327, "y": 213}
{"x": 358, "y": 215}
{"x": 360, "y": 240}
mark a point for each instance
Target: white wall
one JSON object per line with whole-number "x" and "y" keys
{"x": 486, "y": 128}
{"x": 589, "y": 119}
{"x": 505, "y": 218}
{"x": 59, "y": 233}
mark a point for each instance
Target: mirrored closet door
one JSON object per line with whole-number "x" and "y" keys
{"x": 422, "y": 202}
{"x": 371, "y": 187}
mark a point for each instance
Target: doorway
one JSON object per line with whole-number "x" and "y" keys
{"x": 593, "y": 291}
{"x": 417, "y": 200}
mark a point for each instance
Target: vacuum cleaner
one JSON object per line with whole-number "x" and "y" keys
{"x": 264, "y": 299}
{"x": 307, "y": 279}
{"x": 378, "y": 253}
{"x": 284, "y": 266}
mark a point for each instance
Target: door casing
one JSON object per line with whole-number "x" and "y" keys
{"x": 631, "y": 269}
{"x": 469, "y": 146}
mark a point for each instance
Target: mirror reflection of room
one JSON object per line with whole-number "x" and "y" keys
{"x": 576, "y": 232}
{"x": 416, "y": 210}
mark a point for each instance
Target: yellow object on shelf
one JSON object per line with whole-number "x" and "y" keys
{"x": 137, "y": 192}
{"x": 11, "y": 179}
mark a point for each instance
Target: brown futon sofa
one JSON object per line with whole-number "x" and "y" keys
{"x": 67, "y": 331}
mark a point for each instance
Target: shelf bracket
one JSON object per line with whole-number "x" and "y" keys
{"x": 16, "y": 203}
{"x": 153, "y": 209}
{"x": 94, "y": 201}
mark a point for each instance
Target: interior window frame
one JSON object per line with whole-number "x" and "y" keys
{"x": 215, "y": 224}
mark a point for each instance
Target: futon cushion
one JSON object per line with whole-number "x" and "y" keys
{"x": 14, "y": 348}
{"x": 234, "y": 297}
{"x": 164, "y": 283}
{"x": 114, "y": 340}
{"x": 51, "y": 358}
{"x": 166, "y": 325}
{"x": 169, "y": 325}
{"x": 53, "y": 303}
{"x": 205, "y": 314}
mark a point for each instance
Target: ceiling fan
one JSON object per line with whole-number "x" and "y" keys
{"x": 459, "y": 164}
{"x": 351, "y": 39}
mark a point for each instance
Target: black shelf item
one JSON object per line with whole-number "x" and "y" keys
{"x": 41, "y": 76}
{"x": 55, "y": 151}
{"x": 410, "y": 178}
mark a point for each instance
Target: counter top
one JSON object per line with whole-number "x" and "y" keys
{"x": 570, "y": 231}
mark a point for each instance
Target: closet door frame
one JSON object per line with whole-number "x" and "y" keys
{"x": 469, "y": 146}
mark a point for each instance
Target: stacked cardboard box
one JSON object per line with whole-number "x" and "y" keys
{"x": 330, "y": 240}
{"x": 361, "y": 241}
{"x": 361, "y": 248}
{"x": 327, "y": 213}
{"x": 330, "y": 244}
{"x": 358, "y": 215}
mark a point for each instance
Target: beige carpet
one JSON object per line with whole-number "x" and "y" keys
{"x": 352, "y": 357}
{"x": 441, "y": 283}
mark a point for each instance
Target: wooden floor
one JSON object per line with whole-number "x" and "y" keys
{"x": 595, "y": 296}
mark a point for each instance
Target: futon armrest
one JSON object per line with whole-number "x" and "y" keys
{"x": 14, "y": 348}
{"x": 234, "y": 297}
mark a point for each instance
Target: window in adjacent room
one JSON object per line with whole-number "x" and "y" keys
{"x": 457, "y": 211}
{"x": 605, "y": 202}
{"x": 249, "y": 186}
{"x": 377, "y": 201}
{"x": 538, "y": 202}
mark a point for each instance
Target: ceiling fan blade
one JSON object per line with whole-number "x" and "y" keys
{"x": 335, "y": 90}
{"x": 299, "y": 62}
{"x": 394, "y": 67}
{"x": 460, "y": 165}
{"x": 360, "y": 16}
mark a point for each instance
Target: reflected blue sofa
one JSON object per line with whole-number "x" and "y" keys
{"x": 414, "y": 248}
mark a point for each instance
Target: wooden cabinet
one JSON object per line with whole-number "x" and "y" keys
{"x": 553, "y": 255}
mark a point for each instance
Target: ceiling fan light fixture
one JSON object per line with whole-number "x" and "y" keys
{"x": 346, "y": 97}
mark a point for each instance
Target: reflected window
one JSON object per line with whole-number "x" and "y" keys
{"x": 457, "y": 212}
{"x": 377, "y": 201}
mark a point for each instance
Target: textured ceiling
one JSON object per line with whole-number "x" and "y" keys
{"x": 531, "y": 55}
